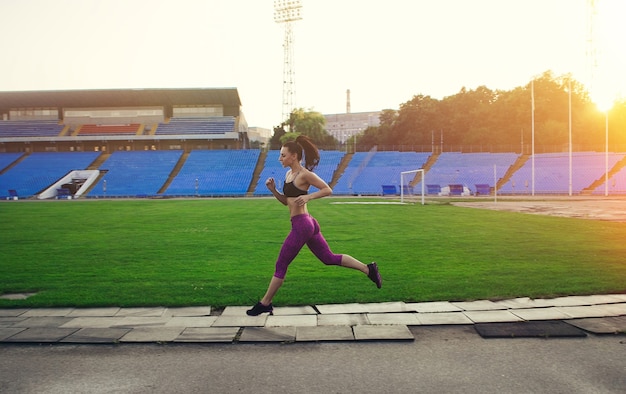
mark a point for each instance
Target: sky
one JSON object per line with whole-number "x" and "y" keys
{"x": 384, "y": 52}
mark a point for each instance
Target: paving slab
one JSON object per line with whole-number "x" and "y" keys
{"x": 327, "y": 309}
{"x": 191, "y": 321}
{"x": 443, "y": 318}
{"x": 294, "y": 310}
{"x": 11, "y": 321}
{"x": 491, "y": 316}
{"x": 385, "y": 307}
{"x": 588, "y": 300}
{"x": 94, "y": 312}
{"x": 291, "y": 321}
{"x": 208, "y": 334}
{"x": 7, "y": 332}
{"x": 352, "y": 319}
{"x": 235, "y": 311}
{"x": 549, "y": 313}
{"x": 189, "y": 311}
{"x": 43, "y": 321}
{"x": 152, "y": 334}
{"x": 324, "y": 333}
{"x": 41, "y": 334}
{"x": 615, "y": 309}
{"x": 587, "y": 311}
{"x": 139, "y": 321}
{"x": 480, "y": 305}
{"x": 432, "y": 307}
{"x": 47, "y": 312}
{"x": 268, "y": 334}
{"x": 382, "y": 333}
{"x": 14, "y": 312}
{"x": 403, "y": 318}
{"x": 516, "y": 303}
{"x": 93, "y": 322}
{"x": 96, "y": 335}
{"x": 568, "y": 301}
{"x": 526, "y": 302}
{"x": 143, "y": 312}
{"x": 240, "y": 321}
{"x": 601, "y": 325}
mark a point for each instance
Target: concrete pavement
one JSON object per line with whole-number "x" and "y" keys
{"x": 392, "y": 321}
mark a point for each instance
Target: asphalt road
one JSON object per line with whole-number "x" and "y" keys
{"x": 440, "y": 360}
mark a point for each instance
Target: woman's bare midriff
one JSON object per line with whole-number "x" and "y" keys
{"x": 294, "y": 208}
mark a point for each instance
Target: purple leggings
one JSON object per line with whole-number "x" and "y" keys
{"x": 304, "y": 230}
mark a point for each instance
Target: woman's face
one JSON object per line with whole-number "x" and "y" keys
{"x": 287, "y": 158}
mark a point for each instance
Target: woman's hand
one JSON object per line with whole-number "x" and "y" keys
{"x": 302, "y": 200}
{"x": 271, "y": 184}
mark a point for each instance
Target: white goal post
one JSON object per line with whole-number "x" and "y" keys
{"x": 409, "y": 178}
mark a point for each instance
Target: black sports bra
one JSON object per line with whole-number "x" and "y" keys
{"x": 290, "y": 190}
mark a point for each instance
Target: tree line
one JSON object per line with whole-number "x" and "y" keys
{"x": 483, "y": 119}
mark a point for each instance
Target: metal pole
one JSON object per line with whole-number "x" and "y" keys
{"x": 532, "y": 94}
{"x": 569, "y": 89}
{"x": 495, "y": 184}
{"x": 606, "y": 154}
{"x": 423, "y": 182}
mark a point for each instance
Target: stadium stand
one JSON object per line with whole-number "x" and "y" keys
{"x": 272, "y": 168}
{"x": 210, "y": 125}
{"x": 6, "y": 159}
{"x": 135, "y": 173}
{"x": 468, "y": 170}
{"x": 552, "y": 173}
{"x": 163, "y": 140}
{"x": 30, "y": 128}
{"x": 39, "y": 170}
{"x": 215, "y": 173}
{"x": 369, "y": 171}
{"x": 617, "y": 181}
{"x": 357, "y": 162}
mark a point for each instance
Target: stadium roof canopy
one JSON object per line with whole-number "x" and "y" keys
{"x": 228, "y": 97}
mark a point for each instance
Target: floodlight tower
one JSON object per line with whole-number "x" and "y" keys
{"x": 286, "y": 12}
{"x": 592, "y": 49}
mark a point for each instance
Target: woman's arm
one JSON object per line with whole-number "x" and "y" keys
{"x": 271, "y": 185}
{"x": 314, "y": 180}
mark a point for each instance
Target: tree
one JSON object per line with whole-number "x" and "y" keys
{"x": 312, "y": 124}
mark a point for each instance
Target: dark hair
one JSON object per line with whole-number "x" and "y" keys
{"x": 311, "y": 154}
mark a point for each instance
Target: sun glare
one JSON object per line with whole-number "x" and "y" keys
{"x": 608, "y": 81}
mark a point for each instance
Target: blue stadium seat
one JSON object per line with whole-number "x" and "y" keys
{"x": 40, "y": 169}
{"x": 368, "y": 171}
{"x": 135, "y": 173}
{"x": 215, "y": 173}
{"x": 469, "y": 169}
{"x": 210, "y": 125}
{"x": 552, "y": 173}
{"x": 30, "y": 128}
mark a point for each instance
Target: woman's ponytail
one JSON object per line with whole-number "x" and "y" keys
{"x": 311, "y": 153}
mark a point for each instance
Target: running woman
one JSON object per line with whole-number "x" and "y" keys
{"x": 304, "y": 228}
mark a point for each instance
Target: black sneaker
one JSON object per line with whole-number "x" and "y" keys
{"x": 374, "y": 275}
{"x": 260, "y": 308}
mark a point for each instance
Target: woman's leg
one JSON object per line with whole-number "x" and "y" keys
{"x": 272, "y": 289}
{"x": 350, "y": 262}
{"x": 301, "y": 230}
{"x": 318, "y": 245}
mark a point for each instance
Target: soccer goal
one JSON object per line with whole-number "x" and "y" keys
{"x": 406, "y": 190}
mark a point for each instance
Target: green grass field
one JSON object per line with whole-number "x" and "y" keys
{"x": 221, "y": 252}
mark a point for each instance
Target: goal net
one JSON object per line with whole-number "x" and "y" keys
{"x": 407, "y": 188}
